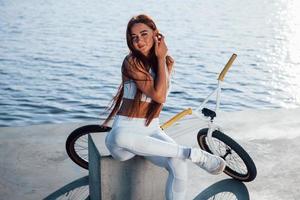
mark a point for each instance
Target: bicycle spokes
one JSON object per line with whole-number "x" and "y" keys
{"x": 81, "y": 147}
{"x": 232, "y": 159}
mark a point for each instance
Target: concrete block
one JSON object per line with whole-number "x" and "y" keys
{"x": 94, "y": 170}
{"x": 136, "y": 179}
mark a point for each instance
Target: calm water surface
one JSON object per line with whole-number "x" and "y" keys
{"x": 60, "y": 60}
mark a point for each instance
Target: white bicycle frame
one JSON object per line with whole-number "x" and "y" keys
{"x": 211, "y": 126}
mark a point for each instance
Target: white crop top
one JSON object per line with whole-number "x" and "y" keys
{"x": 130, "y": 89}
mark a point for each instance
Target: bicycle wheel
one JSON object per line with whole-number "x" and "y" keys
{"x": 78, "y": 189}
{"x": 239, "y": 164}
{"x": 77, "y": 143}
{"x": 227, "y": 189}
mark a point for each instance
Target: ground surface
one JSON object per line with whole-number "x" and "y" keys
{"x": 33, "y": 161}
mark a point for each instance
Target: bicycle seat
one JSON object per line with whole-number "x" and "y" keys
{"x": 209, "y": 113}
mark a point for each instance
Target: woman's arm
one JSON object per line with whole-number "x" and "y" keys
{"x": 155, "y": 89}
{"x": 145, "y": 82}
{"x": 170, "y": 63}
{"x": 162, "y": 79}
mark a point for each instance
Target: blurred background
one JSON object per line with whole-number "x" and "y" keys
{"x": 60, "y": 61}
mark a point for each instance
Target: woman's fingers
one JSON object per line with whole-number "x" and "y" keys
{"x": 156, "y": 45}
{"x": 160, "y": 46}
{"x": 170, "y": 60}
{"x": 156, "y": 40}
{"x": 163, "y": 44}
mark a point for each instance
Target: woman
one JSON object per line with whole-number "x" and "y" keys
{"x": 136, "y": 107}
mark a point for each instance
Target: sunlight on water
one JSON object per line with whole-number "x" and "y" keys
{"x": 293, "y": 53}
{"x": 60, "y": 60}
{"x": 285, "y": 56}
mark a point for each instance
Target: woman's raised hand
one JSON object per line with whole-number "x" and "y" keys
{"x": 161, "y": 48}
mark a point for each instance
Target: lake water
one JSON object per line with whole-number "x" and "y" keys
{"x": 60, "y": 60}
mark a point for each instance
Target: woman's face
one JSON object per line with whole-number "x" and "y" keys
{"x": 142, "y": 38}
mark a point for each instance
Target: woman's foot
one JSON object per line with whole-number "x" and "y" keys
{"x": 209, "y": 162}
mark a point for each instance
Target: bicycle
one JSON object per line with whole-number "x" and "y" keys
{"x": 77, "y": 189}
{"x": 239, "y": 165}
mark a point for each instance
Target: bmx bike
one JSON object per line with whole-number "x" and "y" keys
{"x": 239, "y": 165}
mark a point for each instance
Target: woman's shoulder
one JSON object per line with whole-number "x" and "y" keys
{"x": 128, "y": 67}
{"x": 128, "y": 61}
{"x": 134, "y": 69}
{"x": 129, "y": 57}
{"x": 132, "y": 63}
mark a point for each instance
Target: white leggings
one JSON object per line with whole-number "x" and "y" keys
{"x": 130, "y": 137}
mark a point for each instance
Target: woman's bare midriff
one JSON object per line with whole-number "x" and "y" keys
{"x": 140, "y": 112}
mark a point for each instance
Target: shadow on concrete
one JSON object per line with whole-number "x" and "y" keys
{"x": 78, "y": 189}
{"x": 228, "y": 189}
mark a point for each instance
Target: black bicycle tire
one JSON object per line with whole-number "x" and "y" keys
{"x": 235, "y": 187}
{"x": 65, "y": 190}
{"x": 75, "y": 135}
{"x": 251, "y": 168}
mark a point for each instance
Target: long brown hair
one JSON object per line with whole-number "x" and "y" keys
{"x": 137, "y": 61}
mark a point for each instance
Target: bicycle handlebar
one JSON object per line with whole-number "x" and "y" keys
{"x": 176, "y": 118}
{"x": 227, "y": 66}
{"x": 189, "y": 110}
